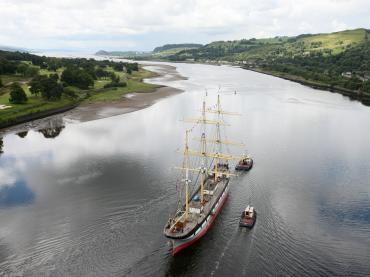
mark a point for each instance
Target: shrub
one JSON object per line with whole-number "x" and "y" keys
{"x": 17, "y": 94}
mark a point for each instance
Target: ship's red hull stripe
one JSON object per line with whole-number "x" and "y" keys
{"x": 202, "y": 233}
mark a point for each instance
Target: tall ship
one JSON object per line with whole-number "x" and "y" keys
{"x": 204, "y": 182}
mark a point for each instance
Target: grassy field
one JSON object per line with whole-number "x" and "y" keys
{"x": 36, "y": 104}
{"x": 134, "y": 84}
{"x": 13, "y": 78}
{"x": 114, "y": 94}
{"x": 337, "y": 42}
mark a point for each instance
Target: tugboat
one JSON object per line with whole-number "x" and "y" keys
{"x": 248, "y": 217}
{"x": 245, "y": 164}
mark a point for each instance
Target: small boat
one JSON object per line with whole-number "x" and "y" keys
{"x": 248, "y": 217}
{"x": 245, "y": 164}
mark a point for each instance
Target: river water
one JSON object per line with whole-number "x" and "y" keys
{"x": 91, "y": 199}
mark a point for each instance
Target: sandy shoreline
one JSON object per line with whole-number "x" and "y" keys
{"x": 130, "y": 102}
{"x": 92, "y": 111}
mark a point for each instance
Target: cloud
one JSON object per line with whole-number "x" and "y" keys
{"x": 142, "y": 24}
{"x": 6, "y": 177}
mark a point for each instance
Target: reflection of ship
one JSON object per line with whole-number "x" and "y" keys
{"x": 209, "y": 170}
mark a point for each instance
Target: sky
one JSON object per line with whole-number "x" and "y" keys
{"x": 91, "y": 25}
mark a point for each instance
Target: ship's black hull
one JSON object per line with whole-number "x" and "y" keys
{"x": 180, "y": 244}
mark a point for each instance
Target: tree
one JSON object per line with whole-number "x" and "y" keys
{"x": 22, "y": 68}
{"x": 31, "y": 71}
{"x": 101, "y": 73}
{"x": 366, "y": 86}
{"x": 131, "y": 67}
{"x": 75, "y": 76}
{"x": 116, "y": 82}
{"x": 17, "y": 94}
{"x": 49, "y": 87}
{"x": 1, "y": 83}
{"x": 7, "y": 67}
{"x": 36, "y": 84}
{"x": 118, "y": 66}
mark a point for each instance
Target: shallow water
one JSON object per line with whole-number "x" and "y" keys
{"x": 91, "y": 199}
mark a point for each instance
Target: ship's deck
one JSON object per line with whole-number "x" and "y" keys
{"x": 179, "y": 226}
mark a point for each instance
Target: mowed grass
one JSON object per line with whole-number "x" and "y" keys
{"x": 6, "y": 79}
{"x": 49, "y": 72}
{"x": 99, "y": 84}
{"x": 143, "y": 74}
{"x": 134, "y": 84}
{"x": 114, "y": 94}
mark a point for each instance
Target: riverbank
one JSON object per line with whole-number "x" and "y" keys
{"x": 355, "y": 95}
{"x": 105, "y": 104}
{"x": 361, "y": 96}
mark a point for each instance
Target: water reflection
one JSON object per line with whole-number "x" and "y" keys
{"x": 99, "y": 194}
{"x": 1, "y": 146}
{"x": 53, "y": 128}
{"x": 51, "y": 132}
{"x": 22, "y": 134}
{"x": 15, "y": 194}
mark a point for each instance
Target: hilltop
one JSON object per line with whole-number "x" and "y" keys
{"x": 122, "y": 54}
{"x": 181, "y": 46}
{"x": 158, "y": 52}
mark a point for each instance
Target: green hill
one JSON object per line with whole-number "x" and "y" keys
{"x": 337, "y": 61}
{"x": 264, "y": 49}
{"x": 122, "y": 54}
{"x": 157, "y": 53}
{"x": 181, "y": 46}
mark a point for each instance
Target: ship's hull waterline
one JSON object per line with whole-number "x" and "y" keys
{"x": 180, "y": 244}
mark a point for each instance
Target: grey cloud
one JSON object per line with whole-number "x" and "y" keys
{"x": 58, "y": 24}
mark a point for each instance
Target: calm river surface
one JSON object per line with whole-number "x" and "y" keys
{"x": 91, "y": 199}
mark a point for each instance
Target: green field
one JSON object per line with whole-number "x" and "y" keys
{"x": 98, "y": 93}
{"x": 6, "y": 79}
{"x": 114, "y": 94}
{"x": 134, "y": 84}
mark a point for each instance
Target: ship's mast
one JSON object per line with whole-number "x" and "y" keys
{"x": 218, "y": 134}
{"x": 186, "y": 165}
{"x": 203, "y": 151}
{"x": 216, "y": 156}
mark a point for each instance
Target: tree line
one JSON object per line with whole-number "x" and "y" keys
{"x": 78, "y": 72}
